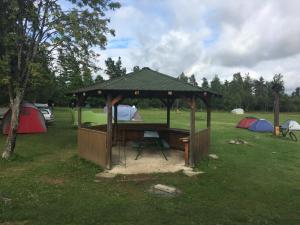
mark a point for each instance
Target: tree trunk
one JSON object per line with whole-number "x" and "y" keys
{"x": 14, "y": 123}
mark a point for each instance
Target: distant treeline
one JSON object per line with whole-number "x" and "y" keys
{"x": 240, "y": 92}
{"x": 249, "y": 94}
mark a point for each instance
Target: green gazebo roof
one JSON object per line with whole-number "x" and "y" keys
{"x": 144, "y": 80}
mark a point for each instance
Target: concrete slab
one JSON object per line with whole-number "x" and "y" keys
{"x": 105, "y": 174}
{"x": 150, "y": 161}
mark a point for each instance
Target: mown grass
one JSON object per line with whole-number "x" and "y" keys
{"x": 257, "y": 183}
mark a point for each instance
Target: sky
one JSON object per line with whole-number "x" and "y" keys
{"x": 208, "y": 37}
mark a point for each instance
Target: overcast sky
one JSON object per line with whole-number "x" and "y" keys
{"x": 208, "y": 37}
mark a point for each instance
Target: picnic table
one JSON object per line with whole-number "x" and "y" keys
{"x": 150, "y": 136}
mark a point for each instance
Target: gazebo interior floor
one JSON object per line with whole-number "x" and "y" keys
{"x": 150, "y": 161}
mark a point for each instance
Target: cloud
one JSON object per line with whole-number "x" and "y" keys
{"x": 208, "y": 37}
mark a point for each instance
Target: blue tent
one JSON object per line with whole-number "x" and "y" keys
{"x": 262, "y": 125}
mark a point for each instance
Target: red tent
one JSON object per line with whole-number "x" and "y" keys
{"x": 31, "y": 120}
{"x": 246, "y": 122}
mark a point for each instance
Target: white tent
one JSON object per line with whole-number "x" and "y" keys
{"x": 126, "y": 113}
{"x": 238, "y": 111}
{"x": 291, "y": 125}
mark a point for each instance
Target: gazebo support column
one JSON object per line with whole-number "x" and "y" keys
{"x": 208, "y": 112}
{"x": 79, "y": 116}
{"x": 115, "y": 123}
{"x": 109, "y": 132}
{"x": 79, "y": 111}
{"x": 168, "y": 113}
{"x": 192, "y": 132}
{"x": 168, "y": 103}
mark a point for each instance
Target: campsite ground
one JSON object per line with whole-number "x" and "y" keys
{"x": 259, "y": 183}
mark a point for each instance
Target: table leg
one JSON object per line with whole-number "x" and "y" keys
{"x": 139, "y": 149}
{"x": 159, "y": 143}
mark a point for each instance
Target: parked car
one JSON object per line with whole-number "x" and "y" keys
{"x": 46, "y": 111}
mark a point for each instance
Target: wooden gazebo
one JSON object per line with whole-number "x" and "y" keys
{"x": 95, "y": 143}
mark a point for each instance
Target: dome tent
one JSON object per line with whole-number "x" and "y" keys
{"x": 246, "y": 122}
{"x": 262, "y": 125}
{"x": 238, "y": 111}
{"x": 126, "y": 113}
{"x": 291, "y": 125}
{"x": 31, "y": 120}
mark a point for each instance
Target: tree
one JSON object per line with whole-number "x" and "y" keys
{"x": 204, "y": 84}
{"x": 183, "y": 77}
{"x": 99, "y": 79}
{"x": 192, "y": 80}
{"x": 278, "y": 84}
{"x": 247, "y": 92}
{"x": 296, "y": 92}
{"x": 41, "y": 86}
{"x": 236, "y": 89}
{"x": 114, "y": 69}
{"x": 136, "y": 69}
{"x": 278, "y": 89}
{"x": 179, "y": 102}
{"x": 31, "y": 26}
{"x": 217, "y": 86}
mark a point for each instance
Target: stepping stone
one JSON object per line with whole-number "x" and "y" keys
{"x": 232, "y": 142}
{"x": 165, "y": 188}
{"x": 213, "y": 156}
{"x": 105, "y": 175}
{"x": 190, "y": 173}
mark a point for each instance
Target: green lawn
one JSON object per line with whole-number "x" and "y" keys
{"x": 254, "y": 184}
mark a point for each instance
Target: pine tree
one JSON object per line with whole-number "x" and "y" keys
{"x": 114, "y": 69}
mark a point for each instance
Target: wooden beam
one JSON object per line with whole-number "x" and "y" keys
{"x": 208, "y": 111}
{"x": 116, "y": 99}
{"x": 115, "y": 113}
{"x": 168, "y": 113}
{"x": 109, "y": 132}
{"x": 79, "y": 116}
{"x": 115, "y": 123}
{"x": 192, "y": 131}
{"x": 80, "y": 101}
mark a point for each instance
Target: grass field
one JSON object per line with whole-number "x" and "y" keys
{"x": 252, "y": 184}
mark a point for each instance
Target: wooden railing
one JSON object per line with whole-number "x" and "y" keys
{"x": 92, "y": 140}
{"x": 202, "y": 143}
{"x": 201, "y": 148}
{"x": 92, "y": 146}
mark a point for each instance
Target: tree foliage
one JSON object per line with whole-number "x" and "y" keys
{"x": 114, "y": 69}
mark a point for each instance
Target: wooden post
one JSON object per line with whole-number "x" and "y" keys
{"x": 168, "y": 113}
{"x": 79, "y": 113}
{"x": 192, "y": 132}
{"x": 115, "y": 123}
{"x": 276, "y": 114}
{"x": 186, "y": 150}
{"x": 79, "y": 116}
{"x": 208, "y": 112}
{"x": 109, "y": 132}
